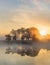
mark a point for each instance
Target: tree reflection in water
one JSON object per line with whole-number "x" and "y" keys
{"x": 23, "y": 51}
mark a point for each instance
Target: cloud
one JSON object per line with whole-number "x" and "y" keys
{"x": 34, "y": 4}
{"x": 24, "y": 18}
{"x": 25, "y": 13}
{"x": 41, "y": 5}
{"x": 48, "y": 1}
{"x": 31, "y": 17}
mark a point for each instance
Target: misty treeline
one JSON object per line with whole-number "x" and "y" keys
{"x": 24, "y": 34}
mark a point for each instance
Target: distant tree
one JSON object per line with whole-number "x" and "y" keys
{"x": 22, "y": 30}
{"x": 18, "y": 31}
{"x": 26, "y": 35}
{"x": 13, "y": 32}
{"x": 14, "y": 37}
{"x": 34, "y": 33}
{"x": 8, "y": 37}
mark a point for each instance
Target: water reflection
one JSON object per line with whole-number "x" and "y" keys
{"x": 23, "y": 51}
{"x": 14, "y": 57}
{"x": 26, "y": 49}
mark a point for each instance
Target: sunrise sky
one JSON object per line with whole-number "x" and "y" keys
{"x": 24, "y": 13}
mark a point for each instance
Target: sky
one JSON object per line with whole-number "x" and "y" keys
{"x": 24, "y": 13}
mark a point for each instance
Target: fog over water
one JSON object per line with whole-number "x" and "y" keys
{"x": 15, "y": 58}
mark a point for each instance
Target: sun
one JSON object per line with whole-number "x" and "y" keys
{"x": 43, "y": 32}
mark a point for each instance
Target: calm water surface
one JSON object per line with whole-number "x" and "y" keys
{"x": 42, "y": 58}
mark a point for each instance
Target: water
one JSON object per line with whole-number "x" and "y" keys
{"x": 15, "y": 56}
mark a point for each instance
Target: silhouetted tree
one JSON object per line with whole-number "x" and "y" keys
{"x": 13, "y": 32}
{"x": 22, "y": 30}
{"x": 8, "y": 37}
{"x": 14, "y": 37}
{"x": 25, "y": 33}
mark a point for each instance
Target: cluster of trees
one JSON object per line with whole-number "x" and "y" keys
{"x": 24, "y": 34}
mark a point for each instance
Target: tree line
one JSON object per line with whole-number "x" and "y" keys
{"x": 24, "y": 34}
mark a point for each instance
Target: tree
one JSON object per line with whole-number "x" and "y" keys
{"x": 34, "y": 33}
{"x": 26, "y": 35}
{"x": 8, "y": 37}
{"x": 22, "y": 30}
{"x": 13, "y": 32}
{"x": 14, "y": 37}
